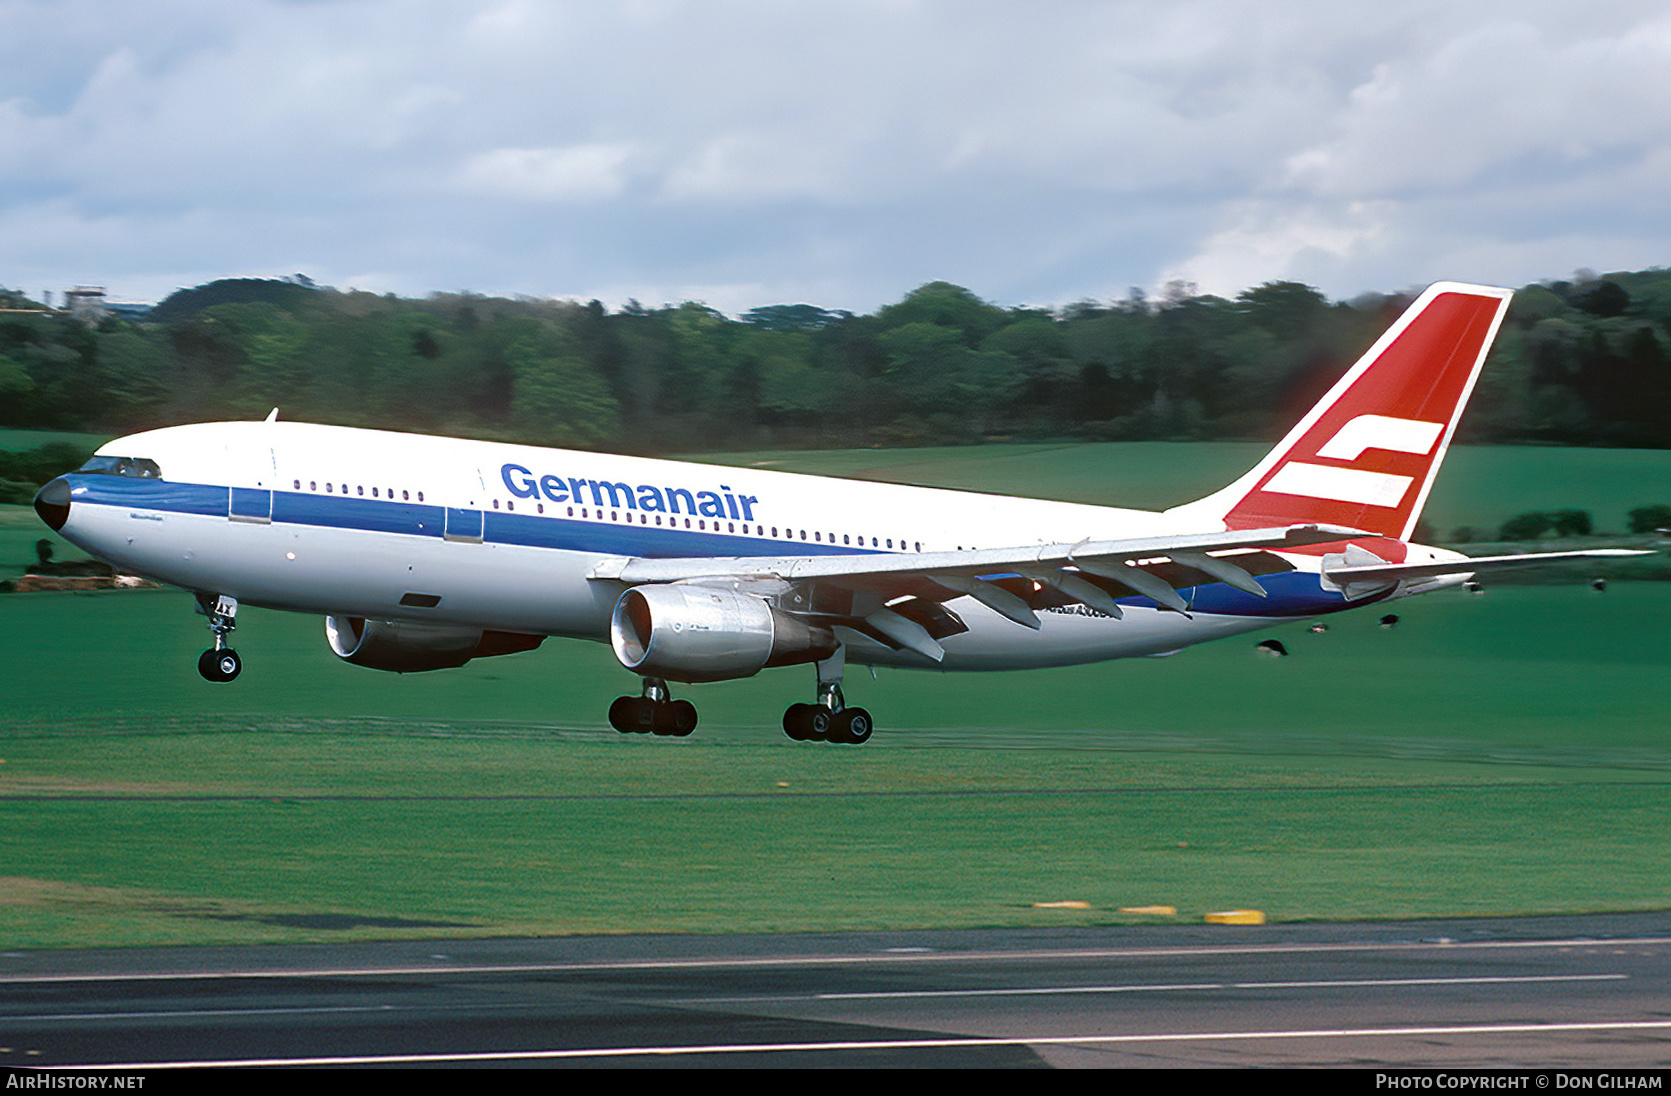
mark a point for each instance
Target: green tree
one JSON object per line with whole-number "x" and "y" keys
{"x": 1528, "y": 526}
{"x": 1288, "y": 310}
{"x": 945, "y": 305}
{"x": 1649, "y": 519}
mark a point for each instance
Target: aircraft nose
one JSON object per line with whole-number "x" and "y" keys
{"x": 52, "y": 503}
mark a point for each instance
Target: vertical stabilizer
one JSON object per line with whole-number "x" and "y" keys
{"x": 1366, "y": 455}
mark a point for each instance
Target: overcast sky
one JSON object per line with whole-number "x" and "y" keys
{"x": 837, "y": 152}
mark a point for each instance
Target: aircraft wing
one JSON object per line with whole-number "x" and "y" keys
{"x": 896, "y": 597}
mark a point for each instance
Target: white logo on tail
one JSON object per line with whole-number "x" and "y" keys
{"x": 1323, "y": 481}
{"x": 1382, "y": 432}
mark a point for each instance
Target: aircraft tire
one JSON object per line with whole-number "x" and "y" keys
{"x": 676, "y": 718}
{"x": 852, "y": 726}
{"x": 219, "y": 666}
{"x": 631, "y": 715}
{"x": 796, "y": 721}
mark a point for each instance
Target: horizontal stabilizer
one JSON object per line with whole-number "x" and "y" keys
{"x": 1393, "y": 572}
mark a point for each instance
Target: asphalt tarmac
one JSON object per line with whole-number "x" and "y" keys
{"x": 1535, "y": 993}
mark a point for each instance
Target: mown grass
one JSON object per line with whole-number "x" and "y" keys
{"x": 1490, "y": 755}
{"x": 786, "y": 860}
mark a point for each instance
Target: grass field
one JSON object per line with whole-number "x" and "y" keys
{"x": 1490, "y": 755}
{"x": 1506, "y": 753}
{"x": 34, "y": 439}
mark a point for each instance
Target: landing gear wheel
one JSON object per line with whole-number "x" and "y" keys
{"x": 795, "y": 721}
{"x": 676, "y": 718}
{"x": 851, "y": 726}
{"x": 221, "y": 665}
{"x": 808, "y": 722}
{"x": 632, "y": 715}
{"x": 641, "y": 715}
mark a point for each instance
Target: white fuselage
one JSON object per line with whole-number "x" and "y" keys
{"x": 389, "y": 526}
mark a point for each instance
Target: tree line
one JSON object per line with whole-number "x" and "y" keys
{"x": 1585, "y": 361}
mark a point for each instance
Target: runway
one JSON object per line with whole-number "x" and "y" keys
{"x": 1576, "y": 992}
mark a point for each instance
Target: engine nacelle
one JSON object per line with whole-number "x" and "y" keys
{"x": 406, "y": 648}
{"x": 700, "y": 633}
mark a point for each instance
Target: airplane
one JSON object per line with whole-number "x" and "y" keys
{"x": 423, "y": 553}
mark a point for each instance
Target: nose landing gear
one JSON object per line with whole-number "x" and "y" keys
{"x": 220, "y": 662}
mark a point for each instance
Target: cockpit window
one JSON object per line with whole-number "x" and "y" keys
{"x": 138, "y": 467}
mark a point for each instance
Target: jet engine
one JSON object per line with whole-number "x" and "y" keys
{"x": 699, "y": 633}
{"x": 405, "y": 647}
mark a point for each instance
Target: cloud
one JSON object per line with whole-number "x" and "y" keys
{"x": 1270, "y": 241}
{"x": 1044, "y": 153}
{"x": 575, "y": 174}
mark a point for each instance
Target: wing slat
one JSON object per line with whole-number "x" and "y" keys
{"x": 976, "y": 563}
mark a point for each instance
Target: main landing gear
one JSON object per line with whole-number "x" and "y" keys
{"x": 653, "y": 713}
{"x": 829, "y": 720}
{"x": 220, "y": 662}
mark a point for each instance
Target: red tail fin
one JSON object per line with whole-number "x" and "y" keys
{"x": 1366, "y": 455}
